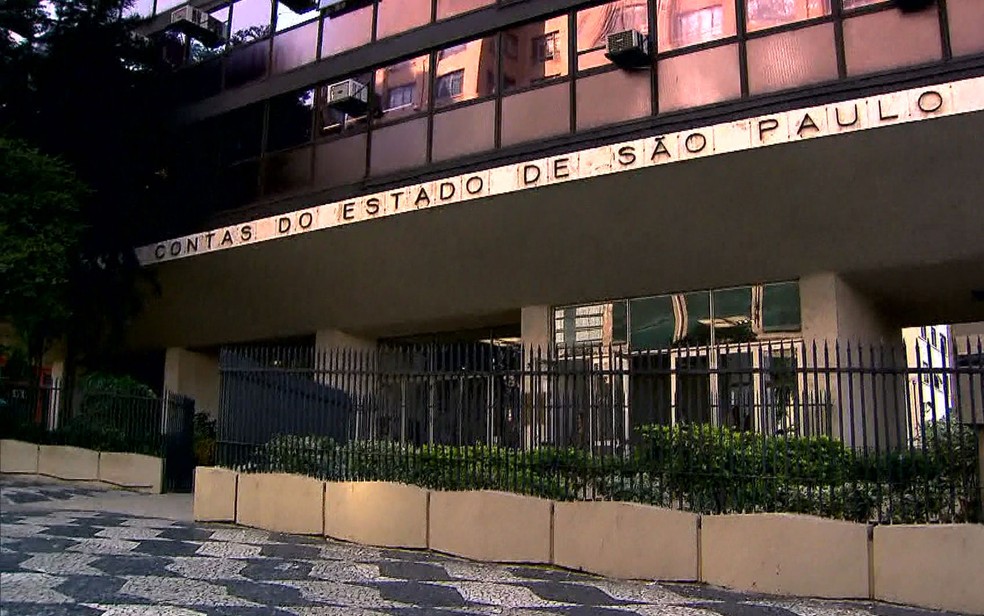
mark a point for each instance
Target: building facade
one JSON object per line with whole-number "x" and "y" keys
{"x": 780, "y": 171}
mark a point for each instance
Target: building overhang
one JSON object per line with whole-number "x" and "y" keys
{"x": 885, "y": 190}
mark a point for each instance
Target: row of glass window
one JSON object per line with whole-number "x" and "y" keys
{"x": 742, "y": 314}
{"x": 303, "y": 38}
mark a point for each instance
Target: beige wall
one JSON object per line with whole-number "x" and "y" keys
{"x": 785, "y": 554}
{"x": 281, "y": 503}
{"x": 68, "y": 463}
{"x": 215, "y": 494}
{"x": 131, "y": 470}
{"x": 938, "y": 567}
{"x": 626, "y": 540}
{"x": 377, "y": 513}
{"x": 195, "y": 375}
{"x": 18, "y": 457}
{"x": 536, "y": 326}
{"x": 491, "y": 526}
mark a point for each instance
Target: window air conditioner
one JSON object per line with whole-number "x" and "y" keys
{"x": 198, "y": 25}
{"x": 628, "y": 49}
{"x": 911, "y": 6}
{"x": 334, "y": 8}
{"x": 349, "y": 97}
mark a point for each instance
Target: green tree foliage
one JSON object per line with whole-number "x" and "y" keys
{"x": 79, "y": 85}
{"x": 40, "y": 223}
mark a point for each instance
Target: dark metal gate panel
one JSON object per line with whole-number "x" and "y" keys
{"x": 179, "y": 443}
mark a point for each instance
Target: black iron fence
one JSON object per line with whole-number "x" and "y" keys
{"x": 103, "y": 420}
{"x": 840, "y": 430}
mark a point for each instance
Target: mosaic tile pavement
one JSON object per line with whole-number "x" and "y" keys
{"x": 55, "y": 561}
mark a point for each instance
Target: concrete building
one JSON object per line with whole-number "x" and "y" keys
{"x": 782, "y": 170}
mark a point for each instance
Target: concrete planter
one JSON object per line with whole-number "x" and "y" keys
{"x": 377, "y": 513}
{"x": 934, "y": 566}
{"x": 63, "y": 462}
{"x": 491, "y": 526}
{"x": 281, "y": 503}
{"x": 785, "y": 554}
{"x": 131, "y": 470}
{"x": 215, "y": 494}
{"x": 18, "y": 457}
{"x": 626, "y": 540}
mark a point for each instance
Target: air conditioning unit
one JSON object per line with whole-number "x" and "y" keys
{"x": 334, "y": 8}
{"x": 300, "y": 6}
{"x": 911, "y": 6}
{"x": 198, "y": 25}
{"x": 628, "y": 49}
{"x": 349, "y": 97}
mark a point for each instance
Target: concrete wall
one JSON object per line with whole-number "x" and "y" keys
{"x": 195, "y": 375}
{"x": 785, "y": 554}
{"x": 536, "y": 326}
{"x": 132, "y": 470}
{"x": 491, "y": 526}
{"x": 939, "y": 567}
{"x": 626, "y": 540}
{"x": 18, "y": 457}
{"x": 281, "y": 503}
{"x": 377, "y": 513}
{"x": 72, "y": 463}
{"x": 215, "y": 494}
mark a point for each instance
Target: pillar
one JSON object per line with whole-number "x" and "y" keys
{"x": 193, "y": 374}
{"x": 535, "y": 327}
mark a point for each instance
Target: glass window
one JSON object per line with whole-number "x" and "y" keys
{"x": 790, "y": 59}
{"x": 250, "y": 21}
{"x": 693, "y": 323}
{"x": 239, "y": 185}
{"x": 781, "y": 307}
{"x": 595, "y": 24}
{"x": 341, "y": 161}
{"x": 853, "y": 4}
{"x": 163, "y": 6}
{"x": 287, "y": 17}
{"x": 332, "y": 121}
{"x": 699, "y": 78}
{"x": 398, "y": 147}
{"x": 242, "y": 132}
{"x": 733, "y": 315}
{"x": 247, "y": 64}
{"x": 295, "y": 48}
{"x": 579, "y": 325}
{"x": 891, "y": 39}
{"x": 402, "y": 88}
{"x": 761, "y": 14}
{"x": 595, "y": 93}
{"x": 465, "y": 72}
{"x": 396, "y": 16}
{"x": 286, "y": 171}
{"x": 289, "y": 120}
{"x": 346, "y": 31}
{"x": 537, "y": 114}
{"x": 463, "y": 131}
{"x": 535, "y": 53}
{"x": 681, "y": 23}
{"x": 198, "y": 52}
{"x": 653, "y": 322}
{"x": 139, "y": 8}
{"x": 450, "y": 8}
{"x": 966, "y": 19}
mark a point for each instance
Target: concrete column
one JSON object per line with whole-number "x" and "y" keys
{"x": 535, "y": 327}
{"x": 193, "y": 374}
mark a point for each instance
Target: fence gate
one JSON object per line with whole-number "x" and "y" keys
{"x": 179, "y": 443}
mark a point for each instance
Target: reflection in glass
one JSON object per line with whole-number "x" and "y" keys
{"x": 653, "y": 322}
{"x": 247, "y": 64}
{"x": 396, "y": 16}
{"x": 733, "y": 315}
{"x": 139, "y": 8}
{"x": 289, "y": 120}
{"x": 198, "y": 52}
{"x": 402, "y": 88}
{"x": 465, "y": 71}
{"x": 781, "y": 307}
{"x": 241, "y": 133}
{"x": 535, "y": 53}
{"x": 853, "y": 4}
{"x": 595, "y": 24}
{"x": 331, "y": 121}
{"x": 760, "y": 14}
{"x": 681, "y": 23}
{"x": 164, "y": 6}
{"x": 250, "y": 21}
{"x": 295, "y": 48}
{"x": 449, "y": 8}
{"x": 287, "y": 17}
{"x": 346, "y": 31}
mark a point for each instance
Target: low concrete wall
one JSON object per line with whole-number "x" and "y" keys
{"x": 626, "y": 540}
{"x": 377, "y": 513}
{"x": 491, "y": 526}
{"x": 131, "y": 470}
{"x": 65, "y": 462}
{"x": 282, "y": 503}
{"x": 785, "y": 554}
{"x": 940, "y": 567}
{"x": 215, "y": 494}
{"x": 18, "y": 457}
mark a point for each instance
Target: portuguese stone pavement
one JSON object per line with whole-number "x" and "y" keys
{"x": 57, "y": 558}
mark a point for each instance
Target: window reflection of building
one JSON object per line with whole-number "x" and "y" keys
{"x": 535, "y": 53}
{"x": 465, "y": 71}
{"x": 762, "y": 14}
{"x": 681, "y": 23}
{"x": 402, "y": 88}
{"x": 596, "y": 23}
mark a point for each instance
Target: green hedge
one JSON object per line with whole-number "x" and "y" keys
{"x": 698, "y": 468}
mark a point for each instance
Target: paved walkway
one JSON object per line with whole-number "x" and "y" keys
{"x": 82, "y": 549}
